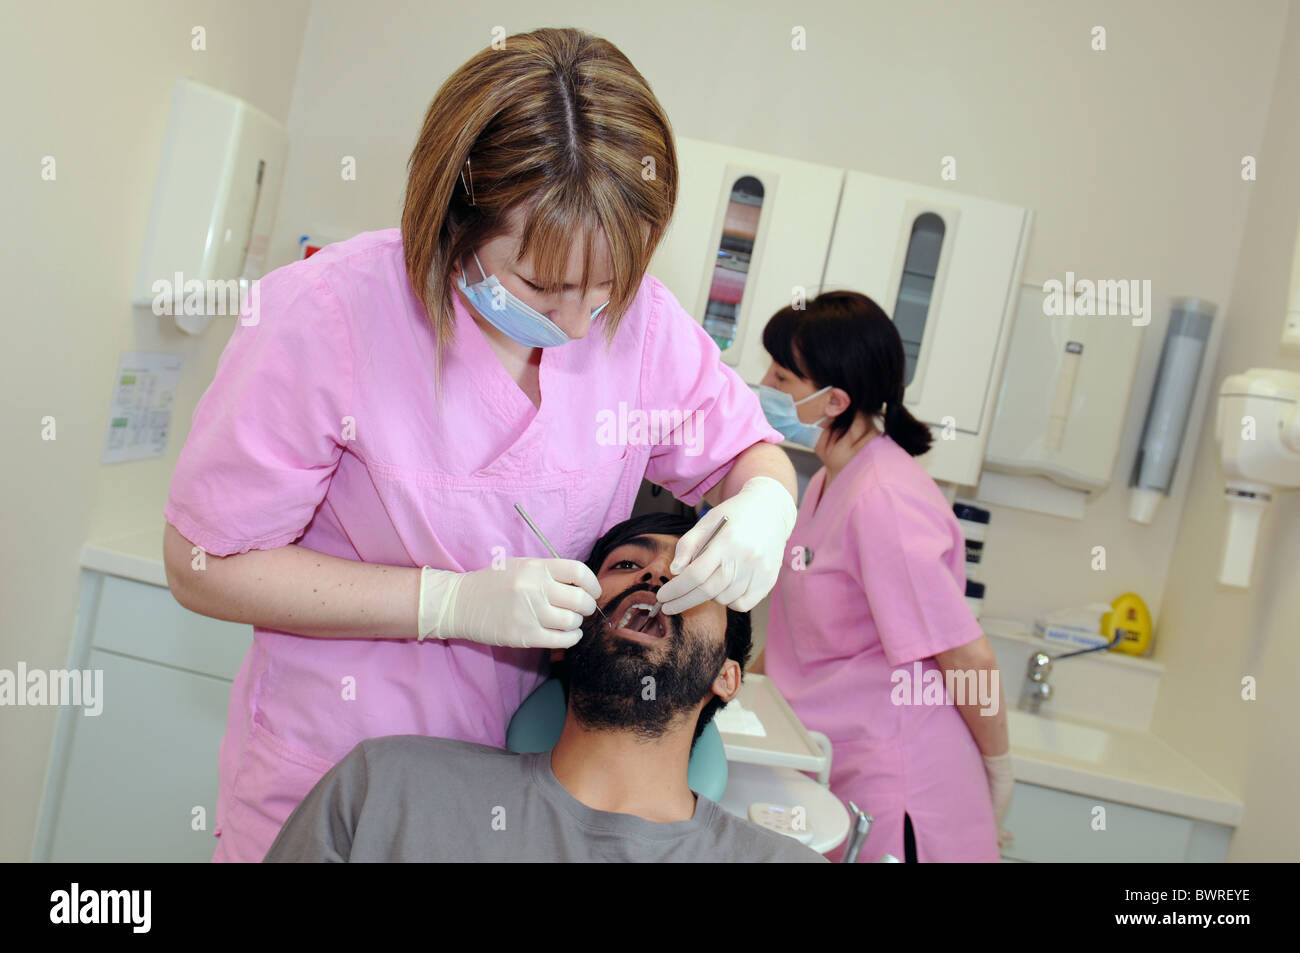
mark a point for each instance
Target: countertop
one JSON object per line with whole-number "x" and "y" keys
{"x": 1135, "y": 767}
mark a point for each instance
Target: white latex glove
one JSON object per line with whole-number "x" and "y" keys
{"x": 1001, "y": 785}
{"x": 741, "y": 565}
{"x": 527, "y": 603}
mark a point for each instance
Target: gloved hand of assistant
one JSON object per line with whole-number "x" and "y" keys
{"x": 740, "y": 566}
{"x": 1001, "y": 785}
{"x": 526, "y": 603}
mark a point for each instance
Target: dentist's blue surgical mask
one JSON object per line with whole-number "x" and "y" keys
{"x": 512, "y": 317}
{"x": 780, "y": 410}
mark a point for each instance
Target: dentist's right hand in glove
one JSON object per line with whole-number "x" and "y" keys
{"x": 527, "y": 603}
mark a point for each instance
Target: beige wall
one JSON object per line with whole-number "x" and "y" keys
{"x": 1130, "y": 158}
{"x": 1211, "y": 636}
{"x": 89, "y": 83}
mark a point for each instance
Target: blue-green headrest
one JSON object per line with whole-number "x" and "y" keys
{"x": 536, "y": 726}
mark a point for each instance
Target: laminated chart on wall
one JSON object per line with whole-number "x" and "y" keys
{"x": 142, "y": 406}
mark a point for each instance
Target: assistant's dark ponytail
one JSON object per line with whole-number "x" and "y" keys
{"x": 905, "y": 430}
{"x": 843, "y": 339}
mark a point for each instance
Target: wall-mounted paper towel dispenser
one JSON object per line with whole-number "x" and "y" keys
{"x": 213, "y": 206}
{"x": 1062, "y": 405}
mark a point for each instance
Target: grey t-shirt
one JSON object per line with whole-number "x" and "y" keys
{"x": 412, "y": 798}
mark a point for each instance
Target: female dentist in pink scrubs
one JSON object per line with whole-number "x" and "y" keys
{"x": 874, "y": 591}
{"x": 349, "y": 481}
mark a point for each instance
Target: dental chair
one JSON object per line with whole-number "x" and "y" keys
{"x": 536, "y": 726}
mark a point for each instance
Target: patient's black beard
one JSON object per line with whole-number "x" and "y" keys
{"x": 607, "y": 675}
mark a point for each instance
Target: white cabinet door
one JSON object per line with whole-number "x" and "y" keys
{"x": 139, "y": 769}
{"x": 748, "y": 232}
{"x": 946, "y": 267}
{"x": 1058, "y": 826}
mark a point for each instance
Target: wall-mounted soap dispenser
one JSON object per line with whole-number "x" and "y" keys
{"x": 213, "y": 206}
{"x": 1257, "y": 427}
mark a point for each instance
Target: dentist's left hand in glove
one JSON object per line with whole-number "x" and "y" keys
{"x": 739, "y": 568}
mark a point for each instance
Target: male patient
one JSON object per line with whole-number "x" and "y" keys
{"x": 614, "y": 787}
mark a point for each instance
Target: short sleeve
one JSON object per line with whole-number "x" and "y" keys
{"x": 721, "y": 417}
{"x": 265, "y": 438}
{"x": 321, "y": 828}
{"x": 902, "y": 547}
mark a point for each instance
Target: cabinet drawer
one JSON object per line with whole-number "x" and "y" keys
{"x": 138, "y": 770}
{"x": 135, "y": 618}
{"x": 1057, "y": 826}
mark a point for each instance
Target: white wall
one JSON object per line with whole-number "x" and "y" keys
{"x": 1130, "y": 158}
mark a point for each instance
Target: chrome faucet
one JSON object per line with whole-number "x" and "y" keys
{"x": 1036, "y": 688}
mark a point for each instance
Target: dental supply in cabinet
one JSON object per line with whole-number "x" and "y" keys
{"x": 974, "y": 522}
{"x": 975, "y": 597}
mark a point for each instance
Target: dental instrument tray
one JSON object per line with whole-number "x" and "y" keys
{"x": 786, "y": 742}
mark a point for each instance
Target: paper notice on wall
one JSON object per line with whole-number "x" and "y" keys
{"x": 142, "y": 406}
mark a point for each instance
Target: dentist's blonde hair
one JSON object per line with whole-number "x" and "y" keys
{"x": 560, "y": 123}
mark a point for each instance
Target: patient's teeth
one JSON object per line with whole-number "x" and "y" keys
{"x": 641, "y": 624}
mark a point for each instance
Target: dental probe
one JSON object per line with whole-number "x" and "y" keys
{"x": 717, "y": 529}
{"x": 547, "y": 543}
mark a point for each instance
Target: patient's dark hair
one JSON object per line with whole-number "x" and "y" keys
{"x": 739, "y": 635}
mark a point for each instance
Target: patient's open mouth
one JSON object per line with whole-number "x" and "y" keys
{"x": 636, "y": 616}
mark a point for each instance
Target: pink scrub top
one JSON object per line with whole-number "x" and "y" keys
{"x": 882, "y": 586}
{"x": 322, "y": 427}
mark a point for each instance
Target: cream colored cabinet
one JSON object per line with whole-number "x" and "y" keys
{"x": 1052, "y": 826}
{"x": 754, "y": 233}
{"x": 946, "y": 268}
{"x": 748, "y": 237}
{"x": 138, "y": 781}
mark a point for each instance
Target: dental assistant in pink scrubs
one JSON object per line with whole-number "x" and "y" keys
{"x": 349, "y": 481}
{"x": 872, "y": 595}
